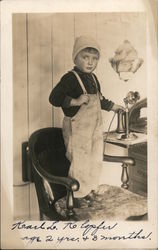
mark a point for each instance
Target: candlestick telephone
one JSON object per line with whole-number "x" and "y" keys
{"x": 129, "y": 121}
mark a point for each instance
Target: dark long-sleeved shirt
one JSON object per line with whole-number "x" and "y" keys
{"x": 69, "y": 88}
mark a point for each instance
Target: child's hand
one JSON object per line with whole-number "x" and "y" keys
{"x": 83, "y": 99}
{"x": 116, "y": 108}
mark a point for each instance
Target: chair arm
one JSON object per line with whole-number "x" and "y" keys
{"x": 123, "y": 159}
{"x": 126, "y": 162}
{"x": 70, "y": 183}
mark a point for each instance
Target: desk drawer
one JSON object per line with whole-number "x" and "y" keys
{"x": 140, "y": 169}
{"x": 140, "y": 148}
{"x": 138, "y": 187}
{"x": 138, "y": 173}
{"x": 138, "y": 151}
{"x": 140, "y": 177}
{"x": 140, "y": 159}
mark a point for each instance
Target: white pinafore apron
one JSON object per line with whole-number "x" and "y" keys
{"x": 84, "y": 143}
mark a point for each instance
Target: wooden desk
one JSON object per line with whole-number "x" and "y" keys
{"x": 115, "y": 138}
{"x": 137, "y": 148}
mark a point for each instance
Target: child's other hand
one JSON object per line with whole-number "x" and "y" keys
{"x": 83, "y": 99}
{"x": 117, "y": 107}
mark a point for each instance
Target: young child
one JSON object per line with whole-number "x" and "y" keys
{"x": 78, "y": 94}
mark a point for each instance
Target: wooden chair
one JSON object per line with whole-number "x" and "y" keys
{"x": 46, "y": 152}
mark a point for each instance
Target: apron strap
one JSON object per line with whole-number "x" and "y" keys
{"x": 82, "y": 85}
{"x": 100, "y": 95}
{"x": 80, "y": 82}
{"x": 95, "y": 81}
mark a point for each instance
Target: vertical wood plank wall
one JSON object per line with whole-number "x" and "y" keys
{"x": 39, "y": 80}
{"x": 20, "y": 112}
{"x": 62, "y": 39}
{"x": 42, "y": 53}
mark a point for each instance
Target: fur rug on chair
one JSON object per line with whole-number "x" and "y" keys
{"x": 106, "y": 202}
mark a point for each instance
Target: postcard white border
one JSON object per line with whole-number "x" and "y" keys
{"x": 11, "y": 239}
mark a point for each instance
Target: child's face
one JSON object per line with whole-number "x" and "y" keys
{"x": 87, "y": 61}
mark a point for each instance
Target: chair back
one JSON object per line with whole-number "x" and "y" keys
{"x": 47, "y": 153}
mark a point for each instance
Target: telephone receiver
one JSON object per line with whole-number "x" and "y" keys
{"x": 123, "y": 126}
{"x": 120, "y": 122}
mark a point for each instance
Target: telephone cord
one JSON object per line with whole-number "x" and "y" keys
{"x": 108, "y": 132}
